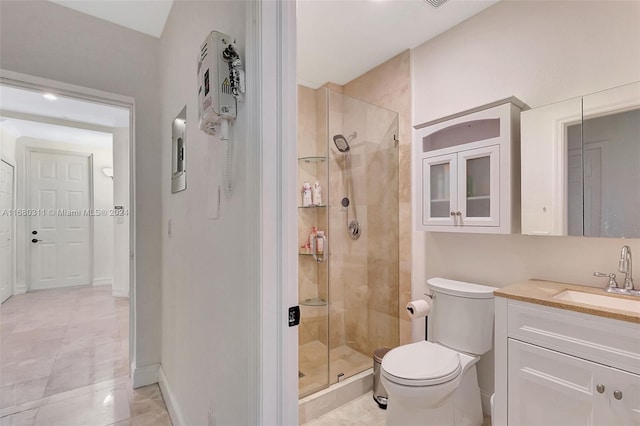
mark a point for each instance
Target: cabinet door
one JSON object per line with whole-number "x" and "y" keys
{"x": 549, "y": 388}
{"x": 439, "y": 177}
{"x": 626, "y": 410}
{"x": 546, "y": 134}
{"x": 479, "y": 186}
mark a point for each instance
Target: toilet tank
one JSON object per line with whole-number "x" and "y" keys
{"x": 462, "y": 315}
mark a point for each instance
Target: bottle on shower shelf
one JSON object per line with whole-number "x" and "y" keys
{"x": 306, "y": 194}
{"x": 320, "y": 242}
{"x": 316, "y": 194}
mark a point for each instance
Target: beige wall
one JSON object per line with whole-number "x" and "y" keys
{"x": 540, "y": 52}
{"x": 209, "y": 280}
{"x": 389, "y": 86}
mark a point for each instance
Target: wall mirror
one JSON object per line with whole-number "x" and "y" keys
{"x": 178, "y": 152}
{"x": 581, "y": 166}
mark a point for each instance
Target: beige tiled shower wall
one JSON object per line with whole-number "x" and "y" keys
{"x": 370, "y": 282}
{"x": 389, "y": 86}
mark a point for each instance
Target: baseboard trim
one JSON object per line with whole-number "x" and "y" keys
{"x": 170, "y": 400}
{"x": 102, "y": 281}
{"x": 19, "y": 288}
{"x": 144, "y": 376}
{"x": 485, "y": 398}
{"x": 120, "y": 293}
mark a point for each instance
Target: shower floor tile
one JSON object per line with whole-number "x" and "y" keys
{"x": 312, "y": 360}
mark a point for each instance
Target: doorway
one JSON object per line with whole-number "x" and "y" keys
{"x": 68, "y": 325}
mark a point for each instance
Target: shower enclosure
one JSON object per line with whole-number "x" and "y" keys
{"x": 348, "y": 282}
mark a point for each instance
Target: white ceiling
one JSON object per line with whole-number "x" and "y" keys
{"x": 338, "y": 40}
{"x": 145, "y": 16}
{"x": 26, "y": 113}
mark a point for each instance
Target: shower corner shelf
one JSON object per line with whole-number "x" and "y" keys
{"x": 312, "y": 159}
{"x": 314, "y": 301}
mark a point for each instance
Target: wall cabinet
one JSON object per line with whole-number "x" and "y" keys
{"x": 555, "y": 367}
{"x": 467, "y": 171}
{"x": 580, "y": 170}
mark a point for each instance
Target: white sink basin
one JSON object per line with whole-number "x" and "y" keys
{"x": 599, "y": 300}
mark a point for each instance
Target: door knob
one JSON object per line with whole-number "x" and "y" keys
{"x": 600, "y": 388}
{"x": 617, "y": 395}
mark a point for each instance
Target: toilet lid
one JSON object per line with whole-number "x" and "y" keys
{"x": 421, "y": 364}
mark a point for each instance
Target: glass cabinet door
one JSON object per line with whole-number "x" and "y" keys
{"x": 479, "y": 186}
{"x": 439, "y": 190}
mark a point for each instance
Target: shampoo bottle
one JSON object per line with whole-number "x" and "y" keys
{"x": 306, "y": 194}
{"x": 316, "y": 194}
{"x": 320, "y": 245}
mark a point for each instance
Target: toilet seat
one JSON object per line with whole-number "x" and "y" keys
{"x": 421, "y": 364}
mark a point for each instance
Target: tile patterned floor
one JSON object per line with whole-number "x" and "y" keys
{"x": 312, "y": 362}
{"x": 64, "y": 361}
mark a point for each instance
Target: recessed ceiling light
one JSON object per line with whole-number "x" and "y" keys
{"x": 436, "y": 3}
{"x": 50, "y": 96}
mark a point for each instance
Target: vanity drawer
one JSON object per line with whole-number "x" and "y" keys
{"x": 603, "y": 340}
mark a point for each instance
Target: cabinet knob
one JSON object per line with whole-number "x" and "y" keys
{"x": 458, "y": 214}
{"x": 617, "y": 395}
{"x": 452, "y": 213}
{"x": 600, "y": 388}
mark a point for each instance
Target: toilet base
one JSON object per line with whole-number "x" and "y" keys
{"x": 462, "y": 408}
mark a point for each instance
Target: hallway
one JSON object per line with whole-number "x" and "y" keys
{"x": 64, "y": 356}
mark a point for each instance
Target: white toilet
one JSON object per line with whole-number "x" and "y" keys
{"x": 435, "y": 383}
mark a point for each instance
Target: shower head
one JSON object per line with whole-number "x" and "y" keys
{"x": 342, "y": 143}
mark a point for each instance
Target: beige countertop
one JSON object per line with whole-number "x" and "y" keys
{"x": 541, "y": 293}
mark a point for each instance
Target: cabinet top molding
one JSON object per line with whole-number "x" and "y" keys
{"x": 513, "y": 100}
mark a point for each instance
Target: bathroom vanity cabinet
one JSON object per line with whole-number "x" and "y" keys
{"x": 467, "y": 171}
{"x": 559, "y": 367}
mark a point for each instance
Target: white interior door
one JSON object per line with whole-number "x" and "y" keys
{"x": 59, "y": 238}
{"x": 6, "y": 231}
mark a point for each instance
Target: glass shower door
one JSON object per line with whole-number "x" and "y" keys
{"x": 349, "y": 300}
{"x": 364, "y": 233}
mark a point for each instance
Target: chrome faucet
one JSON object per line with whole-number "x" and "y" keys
{"x": 624, "y": 266}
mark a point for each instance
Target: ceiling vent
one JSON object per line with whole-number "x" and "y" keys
{"x": 436, "y": 3}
